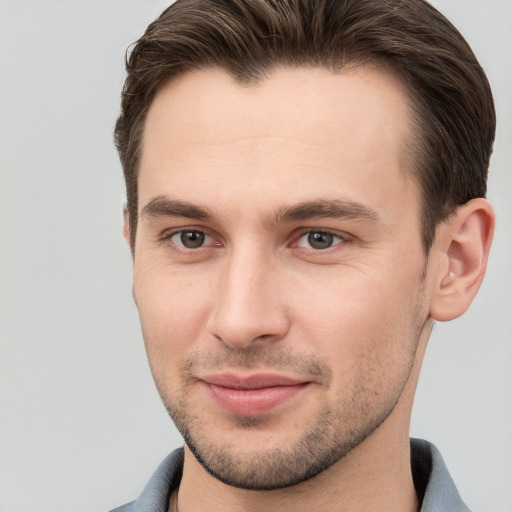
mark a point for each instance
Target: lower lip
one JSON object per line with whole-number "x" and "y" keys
{"x": 253, "y": 401}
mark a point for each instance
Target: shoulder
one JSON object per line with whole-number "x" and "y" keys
{"x": 155, "y": 495}
{"x": 432, "y": 480}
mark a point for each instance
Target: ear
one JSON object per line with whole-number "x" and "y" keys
{"x": 462, "y": 248}
{"x": 126, "y": 225}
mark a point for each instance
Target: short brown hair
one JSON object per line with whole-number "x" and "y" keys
{"x": 453, "y": 109}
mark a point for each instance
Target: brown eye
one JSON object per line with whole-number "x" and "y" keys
{"x": 189, "y": 239}
{"x": 319, "y": 240}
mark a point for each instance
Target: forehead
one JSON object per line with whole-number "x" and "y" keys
{"x": 296, "y": 129}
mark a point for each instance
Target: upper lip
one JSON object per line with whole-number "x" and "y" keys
{"x": 254, "y": 381}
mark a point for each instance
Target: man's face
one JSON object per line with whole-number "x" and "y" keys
{"x": 279, "y": 273}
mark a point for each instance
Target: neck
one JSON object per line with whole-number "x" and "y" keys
{"x": 374, "y": 476}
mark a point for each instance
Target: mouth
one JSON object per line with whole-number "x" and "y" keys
{"x": 253, "y": 394}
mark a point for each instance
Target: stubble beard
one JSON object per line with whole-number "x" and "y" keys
{"x": 319, "y": 448}
{"x": 331, "y": 434}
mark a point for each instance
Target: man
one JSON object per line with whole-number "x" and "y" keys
{"x": 306, "y": 187}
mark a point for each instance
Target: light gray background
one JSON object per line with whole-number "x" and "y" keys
{"x": 81, "y": 427}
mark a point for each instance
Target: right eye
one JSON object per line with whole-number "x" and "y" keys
{"x": 191, "y": 239}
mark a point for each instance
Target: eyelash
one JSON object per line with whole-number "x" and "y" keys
{"x": 338, "y": 239}
{"x": 167, "y": 238}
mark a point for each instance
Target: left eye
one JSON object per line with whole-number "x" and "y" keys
{"x": 191, "y": 239}
{"x": 319, "y": 240}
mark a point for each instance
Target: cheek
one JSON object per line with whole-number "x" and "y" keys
{"x": 173, "y": 309}
{"x": 361, "y": 318}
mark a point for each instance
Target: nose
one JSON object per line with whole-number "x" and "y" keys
{"x": 249, "y": 307}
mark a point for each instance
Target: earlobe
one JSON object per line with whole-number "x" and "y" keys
{"x": 463, "y": 248}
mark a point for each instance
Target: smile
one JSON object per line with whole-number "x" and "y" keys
{"x": 252, "y": 395}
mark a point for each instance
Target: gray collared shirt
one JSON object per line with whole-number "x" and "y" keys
{"x": 433, "y": 483}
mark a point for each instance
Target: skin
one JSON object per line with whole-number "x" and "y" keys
{"x": 253, "y": 172}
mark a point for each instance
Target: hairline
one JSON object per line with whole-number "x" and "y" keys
{"x": 410, "y": 150}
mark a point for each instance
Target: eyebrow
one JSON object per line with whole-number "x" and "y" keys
{"x": 335, "y": 209}
{"x": 162, "y": 206}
